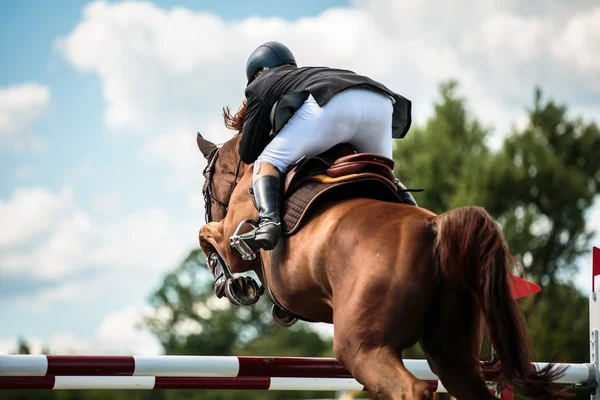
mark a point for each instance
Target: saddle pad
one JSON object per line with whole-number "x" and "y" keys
{"x": 298, "y": 203}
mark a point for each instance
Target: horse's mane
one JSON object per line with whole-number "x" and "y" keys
{"x": 235, "y": 121}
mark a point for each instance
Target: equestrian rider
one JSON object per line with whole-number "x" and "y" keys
{"x": 294, "y": 112}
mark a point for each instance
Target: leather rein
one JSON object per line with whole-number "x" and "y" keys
{"x": 207, "y": 191}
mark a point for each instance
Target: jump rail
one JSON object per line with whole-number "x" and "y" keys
{"x": 244, "y": 373}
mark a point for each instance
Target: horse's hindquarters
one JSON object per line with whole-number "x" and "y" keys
{"x": 360, "y": 248}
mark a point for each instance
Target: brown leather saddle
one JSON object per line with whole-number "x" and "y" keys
{"x": 338, "y": 174}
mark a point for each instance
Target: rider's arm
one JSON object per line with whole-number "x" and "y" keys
{"x": 257, "y": 125}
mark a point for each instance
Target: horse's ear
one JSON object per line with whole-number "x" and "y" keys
{"x": 206, "y": 147}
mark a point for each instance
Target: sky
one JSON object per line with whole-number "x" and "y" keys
{"x": 100, "y": 176}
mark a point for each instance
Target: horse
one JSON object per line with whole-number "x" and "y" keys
{"x": 387, "y": 276}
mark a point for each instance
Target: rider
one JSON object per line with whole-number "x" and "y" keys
{"x": 294, "y": 112}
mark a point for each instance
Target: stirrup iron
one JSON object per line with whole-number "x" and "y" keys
{"x": 239, "y": 245}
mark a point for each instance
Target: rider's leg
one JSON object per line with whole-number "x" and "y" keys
{"x": 267, "y": 193}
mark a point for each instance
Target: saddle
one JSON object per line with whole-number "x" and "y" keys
{"x": 338, "y": 174}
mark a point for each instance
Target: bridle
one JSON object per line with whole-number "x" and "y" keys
{"x": 207, "y": 191}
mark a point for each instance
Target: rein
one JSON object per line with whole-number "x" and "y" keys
{"x": 208, "y": 191}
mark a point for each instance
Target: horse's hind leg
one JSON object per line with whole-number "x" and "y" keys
{"x": 383, "y": 374}
{"x": 368, "y": 341}
{"x": 452, "y": 343}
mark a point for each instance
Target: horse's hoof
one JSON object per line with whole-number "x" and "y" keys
{"x": 243, "y": 291}
{"x": 281, "y": 317}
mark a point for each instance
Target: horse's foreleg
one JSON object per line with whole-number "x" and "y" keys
{"x": 211, "y": 238}
{"x": 241, "y": 290}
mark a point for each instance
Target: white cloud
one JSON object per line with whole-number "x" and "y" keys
{"x": 579, "y": 44}
{"x": 171, "y": 70}
{"x": 107, "y": 204}
{"x": 7, "y": 346}
{"x": 148, "y": 240}
{"x": 33, "y": 211}
{"x": 178, "y": 151}
{"x": 20, "y": 106}
{"x": 50, "y": 238}
{"x": 44, "y": 233}
{"x": 44, "y": 299}
{"x": 120, "y": 332}
{"x": 67, "y": 343}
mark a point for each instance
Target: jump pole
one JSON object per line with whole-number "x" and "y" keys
{"x": 204, "y": 372}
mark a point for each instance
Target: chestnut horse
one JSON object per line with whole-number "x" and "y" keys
{"x": 387, "y": 276}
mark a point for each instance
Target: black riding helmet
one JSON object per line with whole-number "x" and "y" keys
{"x": 268, "y": 55}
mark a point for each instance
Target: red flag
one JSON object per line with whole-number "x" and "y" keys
{"x": 522, "y": 288}
{"x": 595, "y": 266}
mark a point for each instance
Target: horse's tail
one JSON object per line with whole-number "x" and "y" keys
{"x": 473, "y": 256}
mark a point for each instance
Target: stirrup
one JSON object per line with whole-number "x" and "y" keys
{"x": 239, "y": 245}
{"x": 282, "y": 317}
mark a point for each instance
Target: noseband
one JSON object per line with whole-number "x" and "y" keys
{"x": 207, "y": 191}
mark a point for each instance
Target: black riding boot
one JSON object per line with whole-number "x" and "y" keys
{"x": 267, "y": 194}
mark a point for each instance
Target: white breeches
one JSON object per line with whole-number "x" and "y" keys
{"x": 360, "y": 117}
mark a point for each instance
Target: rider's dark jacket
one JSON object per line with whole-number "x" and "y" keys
{"x": 273, "y": 98}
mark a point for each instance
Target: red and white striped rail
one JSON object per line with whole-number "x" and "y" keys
{"x": 183, "y": 372}
{"x": 205, "y": 372}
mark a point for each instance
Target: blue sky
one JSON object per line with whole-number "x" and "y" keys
{"x": 100, "y": 101}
